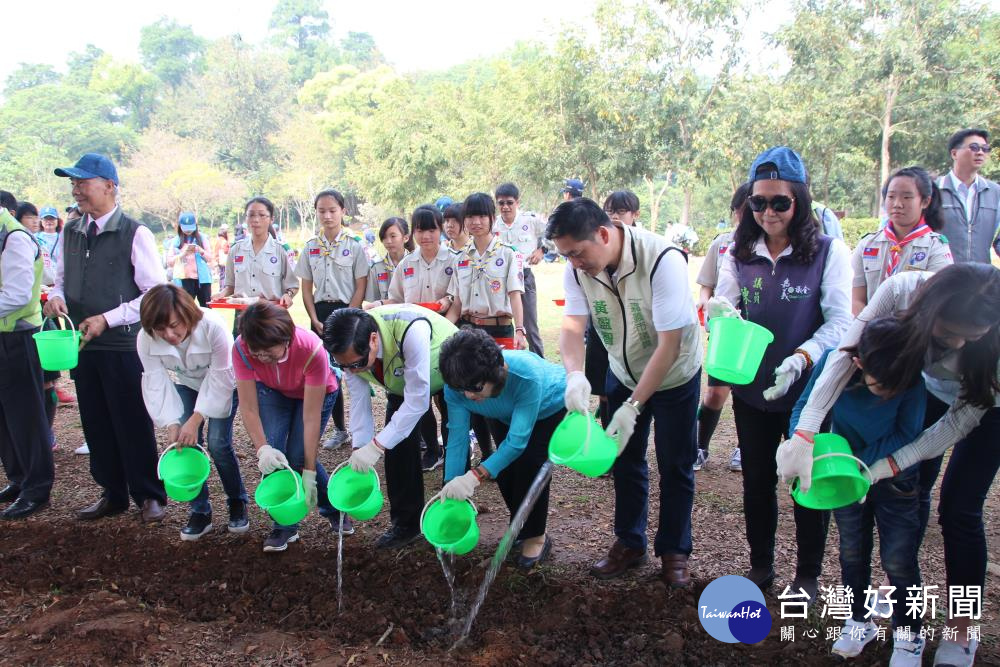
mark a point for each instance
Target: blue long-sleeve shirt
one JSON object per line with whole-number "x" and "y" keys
{"x": 875, "y": 427}
{"x": 534, "y": 390}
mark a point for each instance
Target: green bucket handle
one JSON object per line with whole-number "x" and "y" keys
{"x": 378, "y": 480}
{"x": 66, "y": 317}
{"x": 175, "y": 445}
{"x": 431, "y": 501}
{"x": 300, "y": 492}
{"x": 847, "y": 456}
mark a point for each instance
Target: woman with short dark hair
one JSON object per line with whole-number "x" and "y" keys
{"x": 521, "y": 394}
{"x": 178, "y": 337}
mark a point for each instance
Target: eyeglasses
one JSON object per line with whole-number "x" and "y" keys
{"x": 619, "y": 212}
{"x": 357, "y": 365}
{"x": 506, "y": 202}
{"x": 265, "y": 355}
{"x": 777, "y": 203}
{"x": 979, "y": 148}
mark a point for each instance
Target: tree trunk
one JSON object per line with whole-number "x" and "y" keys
{"x": 686, "y": 207}
{"x": 655, "y": 199}
{"x": 892, "y": 90}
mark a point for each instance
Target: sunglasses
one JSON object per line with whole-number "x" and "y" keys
{"x": 777, "y": 203}
{"x": 360, "y": 363}
{"x": 506, "y": 202}
{"x": 979, "y": 148}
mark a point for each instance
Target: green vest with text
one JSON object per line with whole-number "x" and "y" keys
{"x": 393, "y": 324}
{"x": 28, "y": 316}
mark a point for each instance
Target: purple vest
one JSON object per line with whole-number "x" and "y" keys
{"x": 784, "y": 301}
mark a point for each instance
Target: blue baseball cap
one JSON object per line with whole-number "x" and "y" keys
{"x": 574, "y": 186}
{"x": 443, "y": 202}
{"x": 48, "y": 212}
{"x": 187, "y": 222}
{"x": 779, "y": 163}
{"x": 91, "y": 165}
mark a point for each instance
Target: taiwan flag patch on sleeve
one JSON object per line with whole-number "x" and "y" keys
{"x": 464, "y": 264}
{"x": 314, "y": 251}
{"x": 871, "y": 252}
{"x": 408, "y": 272}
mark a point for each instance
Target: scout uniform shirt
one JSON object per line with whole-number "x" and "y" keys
{"x": 522, "y": 235}
{"x": 485, "y": 281}
{"x": 871, "y": 258}
{"x": 379, "y": 279}
{"x": 416, "y": 281}
{"x": 333, "y": 267}
{"x": 709, "y": 274}
{"x": 265, "y": 273}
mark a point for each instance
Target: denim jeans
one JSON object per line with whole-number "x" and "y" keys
{"x": 220, "y": 447}
{"x": 675, "y": 442}
{"x": 284, "y": 429}
{"x": 892, "y": 505}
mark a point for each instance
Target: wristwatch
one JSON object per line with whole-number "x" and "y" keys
{"x": 635, "y": 404}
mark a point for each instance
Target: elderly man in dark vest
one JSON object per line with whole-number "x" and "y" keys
{"x": 107, "y": 261}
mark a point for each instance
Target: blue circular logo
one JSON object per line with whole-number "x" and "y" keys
{"x": 732, "y": 610}
{"x": 500, "y": 262}
{"x": 448, "y": 271}
{"x": 274, "y": 260}
{"x": 346, "y": 252}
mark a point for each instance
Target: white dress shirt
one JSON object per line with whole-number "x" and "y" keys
{"x": 17, "y": 272}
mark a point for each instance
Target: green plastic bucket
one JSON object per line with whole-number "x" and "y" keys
{"x": 58, "y": 349}
{"x": 735, "y": 349}
{"x": 281, "y": 495}
{"x": 355, "y": 493}
{"x": 580, "y": 443}
{"x": 836, "y": 479}
{"x": 450, "y": 525}
{"x": 183, "y": 471}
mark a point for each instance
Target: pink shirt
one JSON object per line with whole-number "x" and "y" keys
{"x": 306, "y": 364}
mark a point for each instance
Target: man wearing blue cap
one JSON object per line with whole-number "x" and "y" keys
{"x": 572, "y": 188}
{"x": 107, "y": 262}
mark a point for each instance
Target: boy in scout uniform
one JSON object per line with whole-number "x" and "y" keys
{"x": 524, "y": 233}
{"x": 394, "y": 347}
{"x": 490, "y": 280}
{"x": 257, "y": 265}
{"x": 634, "y": 285}
{"x": 910, "y": 241}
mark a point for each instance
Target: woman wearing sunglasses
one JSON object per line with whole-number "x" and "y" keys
{"x": 784, "y": 275}
{"x": 909, "y": 241}
{"x": 521, "y": 394}
{"x": 286, "y": 392}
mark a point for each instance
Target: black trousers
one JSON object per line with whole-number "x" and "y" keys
{"x": 515, "y": 480}
{"x": 116, "y": 425}
{"x": 323, "y": 311}
{"x": 200, "y": 291}
{"x": 404, "y": 478}
{"x": 759, "y": 435}
{"x": 25, "y": 449}
{"x": 429, "y": 424}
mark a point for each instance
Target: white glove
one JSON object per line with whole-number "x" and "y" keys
{"x": 309, "y": 486}
{"x": 364, "y": 458}
{"x": 577, "y": 395}
{"x": 461, "y": 488}
{"x": 880, "y": 470}
{"x": 270, "y": 459}
{"x": 720, "y": 306}
{"x": 622, "y": 425}
{"x": 795, "y": 459}
{"x": 785, "y": 376}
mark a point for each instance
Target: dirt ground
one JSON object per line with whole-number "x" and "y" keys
{"x": 116, "y": 591}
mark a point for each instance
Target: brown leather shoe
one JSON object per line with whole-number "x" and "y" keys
{"x": 675, "y": 571}
{"x": 619, "y": 560}
{"x": 152, "y": 511}
{"x": 99, "y": 510}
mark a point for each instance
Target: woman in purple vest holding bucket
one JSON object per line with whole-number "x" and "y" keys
{"x": 783, "y": 274}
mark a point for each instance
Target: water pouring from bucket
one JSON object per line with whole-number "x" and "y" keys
{"x": 357, "y": 494}
{"x": 450, "y": 525}
{"x": 836, "y": 479}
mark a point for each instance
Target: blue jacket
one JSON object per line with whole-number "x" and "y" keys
{"x": 204, "y": 272}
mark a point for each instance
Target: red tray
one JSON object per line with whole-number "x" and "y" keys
{"x": 506, "y": 343}
{"x": 226, "y": 304}
{"x": 435, "y": 306}
{"x": 559, "y": 302}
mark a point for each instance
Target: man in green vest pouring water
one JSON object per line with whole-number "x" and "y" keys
{"x": 396, "y": 348}
{"x": 24, "y": 429}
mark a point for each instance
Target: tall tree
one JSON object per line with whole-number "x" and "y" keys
{"x": 132, "y": 88}
{"x": 302, "y": 28}
{"x": 171, "y": 51}
{"x": 81, "y": 65}
{"x": 29, "y": 75}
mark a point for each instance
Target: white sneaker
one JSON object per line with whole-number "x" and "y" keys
{"x": 336, "y": 440}
{"x": 82, "y": 450}
{"x": 907, "y": 653}
{"x": 700, "y": 460}
{"x": 736, "y": 461}
{"x": 952, "y": 654}
{"x": 854, "y": 637}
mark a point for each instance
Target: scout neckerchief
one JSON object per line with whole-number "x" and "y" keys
{"x": 898, "y": 244}
{"x": 479, "y": 264}
{"x": 326, "y": 249}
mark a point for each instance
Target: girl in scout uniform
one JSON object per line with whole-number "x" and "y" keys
{"x": 257, "y": 265}
{"x": 718, "y": 391}
{"x": 395, "y": 237}
{"x": 427, "y": 275}
{"x": 910, "y": 240}
{"x": 178, "y": 337}
{"x": 490, "y": 280}
{"x": 334, "y": 273}
{"x": 786, "y": 276}
{"x": 454, "y": 228}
